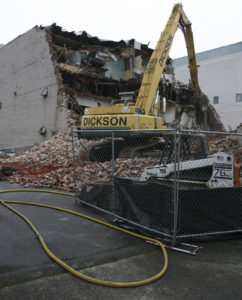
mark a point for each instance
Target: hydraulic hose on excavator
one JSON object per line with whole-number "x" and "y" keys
{"x": 61, "y": 262}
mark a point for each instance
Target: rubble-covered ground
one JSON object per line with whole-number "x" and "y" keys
{"x": 50, "y": 164}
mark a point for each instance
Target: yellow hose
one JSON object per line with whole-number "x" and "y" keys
{"x": 67, "y": 267}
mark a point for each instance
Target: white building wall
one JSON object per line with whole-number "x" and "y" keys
{"x": 220, "y": 76}
{"x": 26, "y": 68}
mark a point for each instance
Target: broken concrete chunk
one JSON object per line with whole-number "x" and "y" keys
{"x": 7, "y": 171}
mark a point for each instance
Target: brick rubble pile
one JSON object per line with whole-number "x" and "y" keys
{"x": 50, "y": 165}
{"x": 229, "y": 144}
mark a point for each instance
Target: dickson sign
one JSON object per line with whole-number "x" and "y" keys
{"x": 105, "y": 121}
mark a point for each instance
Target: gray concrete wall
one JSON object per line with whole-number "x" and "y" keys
{"x": 26, "y": 68}
{"x": 220, "y": 76}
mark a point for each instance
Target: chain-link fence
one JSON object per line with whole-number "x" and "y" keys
{"x": 173, "y": 183}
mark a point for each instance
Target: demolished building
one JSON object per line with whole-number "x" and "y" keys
{"x": 48, "y": 76}
{"x": 49, "y": 89}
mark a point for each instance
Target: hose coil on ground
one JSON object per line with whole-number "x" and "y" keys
{"x": 61, "y": 262}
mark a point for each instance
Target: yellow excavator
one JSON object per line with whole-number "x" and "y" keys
{"x": 130, "y": 113}
{"x": 130, "y": 117}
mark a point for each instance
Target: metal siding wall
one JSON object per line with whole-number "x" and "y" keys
{"x": 220, "y": 76}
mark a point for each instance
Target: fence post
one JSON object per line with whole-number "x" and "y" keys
{"x": 113, "y": 171}
{"x": 177, "y": 146}
{"x": 74, "y": 164}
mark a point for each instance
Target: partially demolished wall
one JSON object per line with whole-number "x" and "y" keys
{"x": 92, "y": 72}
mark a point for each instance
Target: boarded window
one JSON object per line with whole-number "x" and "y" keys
{"x": 238, "y": 97}
{"x": 216, "y": 100}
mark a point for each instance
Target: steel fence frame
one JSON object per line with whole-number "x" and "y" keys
{"x": 177, "y": 133}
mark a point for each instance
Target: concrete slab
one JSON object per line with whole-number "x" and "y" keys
{"x": 27, "y": 273}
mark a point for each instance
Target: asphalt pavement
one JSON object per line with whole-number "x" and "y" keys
{"x": 26, "y": 272}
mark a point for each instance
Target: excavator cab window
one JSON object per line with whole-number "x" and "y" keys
{"x": 128, "y": 97}
{"x": 125, "y": 98}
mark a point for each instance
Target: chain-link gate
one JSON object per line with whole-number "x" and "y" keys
{"x": 173, "y": 183}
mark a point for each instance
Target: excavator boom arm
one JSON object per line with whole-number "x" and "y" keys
{"x": 192, "y": 61}
{"x": 158, "y": 59}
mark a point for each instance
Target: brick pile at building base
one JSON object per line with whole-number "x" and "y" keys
{"x": 223, "y": 143}
{"x": 50, "y": 164}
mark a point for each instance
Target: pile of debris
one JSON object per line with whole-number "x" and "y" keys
{"x": 229, "y": 144}
{"x": 50, "y": 164}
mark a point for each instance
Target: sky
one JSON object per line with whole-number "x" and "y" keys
{"x": 215, "y": 23}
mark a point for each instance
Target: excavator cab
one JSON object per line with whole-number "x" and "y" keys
{"x": 126, "y": 99}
